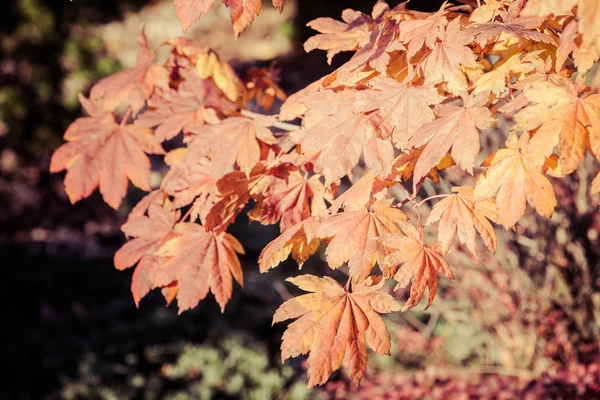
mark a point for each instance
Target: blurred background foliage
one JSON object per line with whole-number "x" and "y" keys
{"x": 524, "y": 324}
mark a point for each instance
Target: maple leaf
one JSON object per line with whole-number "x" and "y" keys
{"x": 514, "y": 177}
{"x": 135, "y": 84}
{"x": 192, "y": 178}
{"x": 420, "y": 262}
{"x": 357, "y": 196}
{"x": 455, "y": 131}
{"x": 334, "y": 325}
{"x": 457, "y": 214}
{"x": 445, "y": 62}
{"x": 241, "y": 12}
{"x": 172, "y": 111}
{"x": 402, "y": 109}
{"x": 235, "y": 189}
{"x": 346, "y": 132}
{"x": 354, "y": 237}
{"x": 336, "y": 36}
{"x": 200, "y": 262}
{"x": 189, "y": 11}
{"x": 149, "y": 233}
{"x": 234, "y": 140}
{"x": 300, "y": 241}
{"x": 564, "y": 118}
{"x": 375, "y": 55}
{"x": 293, "y": 108}
{"x": 421, "y": 31}
{"x": 287, "y": 200}
{"x": 102, "y": 153}
{"x": 523, "y": 29}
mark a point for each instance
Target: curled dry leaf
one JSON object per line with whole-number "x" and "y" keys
{"x": 419, "y": 262}
{"x": 334, "y": 325}
{"x": 457, "y": 214}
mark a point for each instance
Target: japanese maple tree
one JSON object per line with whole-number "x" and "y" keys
{"x": 412, "y": 102}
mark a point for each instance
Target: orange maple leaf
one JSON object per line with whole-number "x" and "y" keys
{"x": 234, "y": 140}
{"x": 565, "y": 117}
{"x": 135, "y": 84}
{"x": 199, "y": 261}
{"x": 458, "y": 214}
{"x": 241, "y": 12}
{"x": 515, "y": 178}
{"x": 456, "y": 130}
{"x": 300, "y": 241}
{"x": 149, "y": 233}
{"x": 354, "y": 237}
{"x": 172, "y": 111}
{"x": 102, "y": 153}
{"x": 345, "y": 134}
{"x": 448, "y": 57}
{"x": 420, "y": 262}
{"x": 401, "y": 109}
{"x": 287, "y": 199}
{"x": 336, "y": 36}
{"x": 523, "y": 29}
{"x": 415, "y": 33}
{"x": 189, "y": 11}
{"x": 190, "y": 179}
{"x": 334, "y": 325}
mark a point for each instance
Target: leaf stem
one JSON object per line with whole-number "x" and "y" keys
{"x": 126, "y": 117}
{"x": 347, "y": 287}
{"x": 437, "y": 196}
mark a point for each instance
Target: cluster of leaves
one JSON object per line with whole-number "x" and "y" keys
{"x": 410, "y": 103}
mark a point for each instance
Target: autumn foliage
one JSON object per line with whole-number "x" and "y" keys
{"x": 411, "y": 102}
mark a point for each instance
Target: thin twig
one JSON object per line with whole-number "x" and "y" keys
{"x": 187, "y": 214}
{"x": 277, "y": 124}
